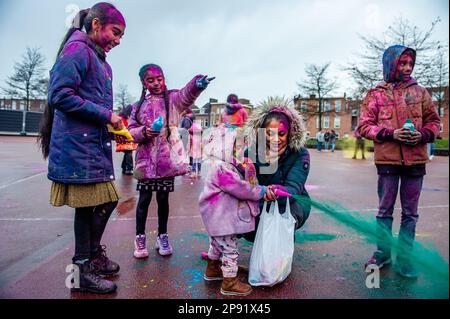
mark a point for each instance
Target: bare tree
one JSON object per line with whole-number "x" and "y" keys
{"x": 318, "y": 85}
{"x": 367, "y": 69}
{"x": 439, "y": 81}
{"x": 123, "y": 97}
{"x": 27, "y": 81}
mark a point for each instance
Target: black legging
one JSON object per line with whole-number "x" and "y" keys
{"x": 89, "y": 226}
{"x": 145, "y": 197}
{"x": 127, "y": 162}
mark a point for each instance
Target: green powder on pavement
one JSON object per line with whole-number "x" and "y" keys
{"x": 301, "y": 237}
{"x": 425, "y": 256}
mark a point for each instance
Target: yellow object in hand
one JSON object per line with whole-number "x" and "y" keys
{"x": 123, "y": 132}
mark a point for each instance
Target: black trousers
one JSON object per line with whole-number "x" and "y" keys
{"x": 127, "y": 162}
{"x": 145, "y": 197}
{"x": 89, "y": 226}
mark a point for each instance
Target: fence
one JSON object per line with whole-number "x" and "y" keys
{"x": 19, "y": 122}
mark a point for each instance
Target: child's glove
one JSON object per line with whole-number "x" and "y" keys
{"x": 263, "y": 191}
{"x": 120, "y": 139}
{"x": 124, "y": 132}
{"x": 203, "y": 82}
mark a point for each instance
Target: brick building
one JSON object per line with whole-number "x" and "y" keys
{"x": 37, "y": 105}
{"x": 338, "y": 113}
{"x": 341, "y": 114}
{"x": 211, "y": 113}
{"x": 440, "y": 98}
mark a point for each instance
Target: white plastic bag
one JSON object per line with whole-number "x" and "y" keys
{"x": 273, "y": 249}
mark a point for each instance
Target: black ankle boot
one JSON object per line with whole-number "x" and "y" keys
{"x": 91, "y": 281}
{"x": 105, "y": 266}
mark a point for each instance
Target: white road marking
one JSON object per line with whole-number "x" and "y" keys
{"x": 118, "y": 218}
{"x": 22, "y": 180}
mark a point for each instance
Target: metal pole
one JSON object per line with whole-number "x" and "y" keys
{"x": 24, "y": 116}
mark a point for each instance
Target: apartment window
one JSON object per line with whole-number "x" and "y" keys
{"x": 327, "y": 106}
{"x": 441, "y": 127}
{"x": 303, "y": 107}
{"x": 355, "y": 112}
{"x": 337, "y": 122}
{"x": 441, "y": 111}
{"x": 305, "y": 122}
{"x": 326, "y": 122}
{"x": 337, "y": 106}
{"x": 317, "y": 122}
{"x": 14, "y": 105}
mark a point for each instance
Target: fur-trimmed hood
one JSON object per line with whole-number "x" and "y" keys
{"x": 297, "y": 131}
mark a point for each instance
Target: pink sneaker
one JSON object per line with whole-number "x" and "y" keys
{"x": 140, "y": 247}
{"x": 163, "y": 245}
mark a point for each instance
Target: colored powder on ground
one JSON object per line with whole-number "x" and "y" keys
{"x": 425, "y": 256}
{"x": 301, "y": 237}
{"x": 201, "y": 235}
{"x": 193, "y": 276}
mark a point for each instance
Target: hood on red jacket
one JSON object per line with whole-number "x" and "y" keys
{"x": 390, "y": 61}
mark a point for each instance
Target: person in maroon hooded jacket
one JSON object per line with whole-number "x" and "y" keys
{"x": 400, "y": 153}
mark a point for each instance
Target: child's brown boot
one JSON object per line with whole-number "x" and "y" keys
{"x": 213, "y": 270}
{"x": 234, "y": 287}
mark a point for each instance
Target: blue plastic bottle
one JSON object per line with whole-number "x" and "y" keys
{"x": 158, "y": 124}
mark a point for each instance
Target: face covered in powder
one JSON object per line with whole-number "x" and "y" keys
{"x": 277, "y": 131}
{"x": 404, "y": 68}
{"x": 107, "y": 36}
{"x": 154, "y": 81}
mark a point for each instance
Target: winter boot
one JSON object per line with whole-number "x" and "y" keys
{"x": 213, "y": 270}
{"x": 90, "y": 281}
{"x": 105, "y": 266}
{"x": 234, "y": 287}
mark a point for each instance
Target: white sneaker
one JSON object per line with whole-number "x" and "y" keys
{"x": 431, "y": 157}
{"x": 163, "y": 245}
{"x": 140, "y": 247}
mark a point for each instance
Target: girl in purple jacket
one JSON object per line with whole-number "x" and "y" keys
{"x": 159, "y": 153}
{"x": 228, "y": 206}
{"x": 74, "y": 137}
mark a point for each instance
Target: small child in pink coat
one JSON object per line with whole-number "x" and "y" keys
{"x": 195, "y": 149}
{"x": 228, "y": 206}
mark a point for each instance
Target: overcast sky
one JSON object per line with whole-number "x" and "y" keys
{"x": 255, "y": 48}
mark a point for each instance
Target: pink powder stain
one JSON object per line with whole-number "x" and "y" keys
{"x": 226, "y": 179}
{"x": 312, "y": 187}
{"x": 283, "y": 127}
{"x": 213, "y": 200}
